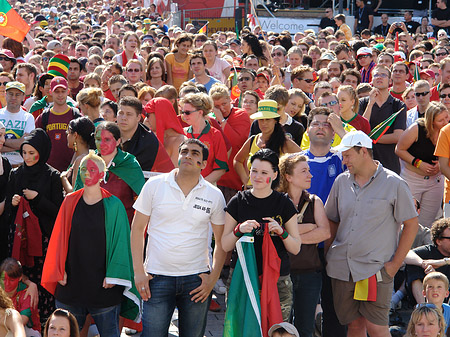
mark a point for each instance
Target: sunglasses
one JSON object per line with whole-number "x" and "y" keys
{"x": 106, "y": 57}
{"x": 187, "y": 113}
{"x": 445, "y": 237}
{"x": 307, "y": 80}
{"x": 444, "y": 95}
{"x": 442, "y": 54}
{"x": 363, "y": 56}
{"x": 133, "y": 70}
{"x": 5, "y": 83}
{"x": 331, "y": 103}
{"x": 277, "y": 54}
{"x": 418, "y": 94}
{"x": 4, "y": 58}
{"x": 81, "y": 50}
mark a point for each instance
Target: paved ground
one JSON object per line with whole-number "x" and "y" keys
{"x": 214, "y": 327}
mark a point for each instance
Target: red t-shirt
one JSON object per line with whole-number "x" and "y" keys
{"x": 360, "y": 123}
{"x": 237, "y": 129}
{"x": 435, "y": 93}
{"x": 60, "y": 155}
{"x": 213, "y": 139}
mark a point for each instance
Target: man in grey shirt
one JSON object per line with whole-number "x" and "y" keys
{"x": 366, "y": 206}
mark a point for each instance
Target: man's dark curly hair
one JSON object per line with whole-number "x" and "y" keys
{"x": 438, "y": 228}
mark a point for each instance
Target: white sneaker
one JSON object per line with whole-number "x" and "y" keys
{"x": 220, "y": 288}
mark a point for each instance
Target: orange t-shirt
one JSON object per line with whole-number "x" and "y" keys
{"x": 443, "y": 150}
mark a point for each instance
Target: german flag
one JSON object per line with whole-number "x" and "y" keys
{"x": 204, "y": 29}
{"x": 11, "y": 24}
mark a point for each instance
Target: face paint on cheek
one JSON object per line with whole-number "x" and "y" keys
{"x": 91, "y": 174}
{"x": 269, "y": 180}
{"x": 199, "y": 164}
{"x": 10, "y": 283}
{"x": 36, "y": 157}
{"x": 108, "y": 143}
{"x": 179, "y": 162}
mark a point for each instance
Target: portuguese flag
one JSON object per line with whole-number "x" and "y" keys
{"x": 381, "y": 128}
{"x": 11, "y": 24}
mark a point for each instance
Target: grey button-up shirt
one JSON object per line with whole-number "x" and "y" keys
{"x": 369, "y": 220}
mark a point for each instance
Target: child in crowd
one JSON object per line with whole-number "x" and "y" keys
{"x": 283, "y": 329}
{"x": 435, "y": 290}
{"x": 11, "y": 282}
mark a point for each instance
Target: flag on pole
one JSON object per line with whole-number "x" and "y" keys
{"x": 235, "y": 92}
{"x": 11, "y": 23}
{"x": 381, "y": 128}
{"x": 204, "y": 29}
{"x": 243, "y": 315}
{"x": 416, "y": 71}
{"x": 251, "y": 21}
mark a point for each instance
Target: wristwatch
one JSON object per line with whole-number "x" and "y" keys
{"x": 446, "y": 260}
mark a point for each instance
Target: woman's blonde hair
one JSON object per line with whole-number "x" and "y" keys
{"x": 93, "y": 76}
{"x": 218, "y": 91}
{"x": 146, "y": 89}
{"x": 434, "y": 109}
{"x": 298, "y": 92}
{"x": 127, "y": 36}
{"x": 352, "y": 93}
{"x": 287, "y": 166}
{"x": 5, "y": 301}
{"x": 428, "y": 311}
{"x": 90, "y": 96}
{"x": 200, "y": 101}
{"x": 96, "y": 159}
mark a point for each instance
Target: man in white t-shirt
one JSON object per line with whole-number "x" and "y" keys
{"x": 18, "y": 122}
{"x": 178, "y": 208}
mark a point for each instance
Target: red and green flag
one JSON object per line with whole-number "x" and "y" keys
{"x": 243, "y": 316}
{"x": 416, "y": 71}
{"x": 378, "y": 131}
{"x": 11, "y": 23}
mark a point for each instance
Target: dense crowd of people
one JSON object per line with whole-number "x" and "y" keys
{"x": 145, "y": 165}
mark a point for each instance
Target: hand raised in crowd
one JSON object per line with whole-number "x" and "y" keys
{"x": 336, "y": 124}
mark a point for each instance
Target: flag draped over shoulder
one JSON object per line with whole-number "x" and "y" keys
{"x": 243, "y": 316}
{"x": 11, "y": 24}
{"x": 378, "y": 131}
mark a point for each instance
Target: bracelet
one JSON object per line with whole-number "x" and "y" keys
{"x": 414, "y": 160}
{"x": 237, "y": 233}
{"x": 417, "y": 163}
{"x": 284, "y": 235}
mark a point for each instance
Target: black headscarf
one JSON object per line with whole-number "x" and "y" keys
{"x": 38, "y": 139}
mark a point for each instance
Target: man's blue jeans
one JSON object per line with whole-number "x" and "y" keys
{"x": 168, "y": 292}
{"x": 106, "y": 319}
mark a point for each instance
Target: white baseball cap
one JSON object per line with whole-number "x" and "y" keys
{"x": 354, "y": 138}
{"x": 364, "y": 51}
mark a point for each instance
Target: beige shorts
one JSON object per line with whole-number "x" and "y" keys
{"x": 348, "y": 309}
